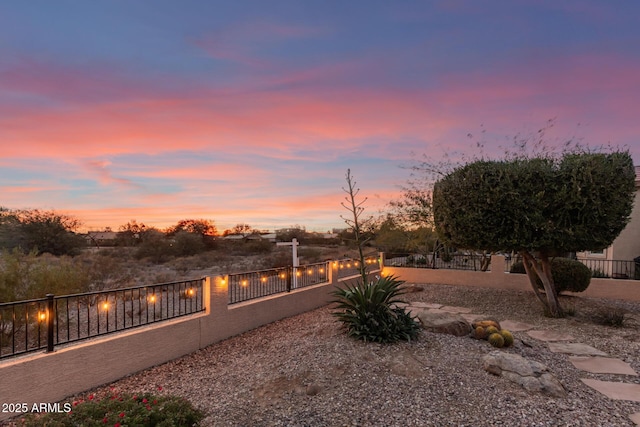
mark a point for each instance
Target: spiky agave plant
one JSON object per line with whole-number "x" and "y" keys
{"x": 369, "y": 313}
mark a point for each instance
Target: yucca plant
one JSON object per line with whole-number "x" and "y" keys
{"x": 369, "y": 313}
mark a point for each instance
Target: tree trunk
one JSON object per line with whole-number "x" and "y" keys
{"x": 542, "y": 270}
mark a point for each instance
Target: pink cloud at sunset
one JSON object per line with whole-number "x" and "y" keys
{"x": 241, "y": 114}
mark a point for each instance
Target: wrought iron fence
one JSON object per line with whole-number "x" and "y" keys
{"x": 349, "y": 267}
{"x": 601, "y": 268}
{"x": 258, "y": 284}
{"x": 614, "y": 269}
{"x": 44, "y": 323}
{"x": 473, "y": 262}
{"x": 23, "y": 326}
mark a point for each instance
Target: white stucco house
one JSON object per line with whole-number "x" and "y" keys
{"x": 615, "y": 261}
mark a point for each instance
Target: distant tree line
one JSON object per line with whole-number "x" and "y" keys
{"x": 40, "y": 231}
{"x": 55, "y": 233}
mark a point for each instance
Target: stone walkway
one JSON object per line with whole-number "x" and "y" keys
{"x": 582, "y": 356}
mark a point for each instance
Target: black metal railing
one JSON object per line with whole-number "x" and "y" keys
{"x": 46, "y": 322}
{"x": 600, "y": 268}
{"x": 613, "y": 269}
{"x": 23, "y": 326}
{"x": 473, "y": 262}
{"x": 258, "y": 284}
{"x": 349, "y": 267}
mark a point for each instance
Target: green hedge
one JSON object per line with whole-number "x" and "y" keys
{"x": 568, "y": 275}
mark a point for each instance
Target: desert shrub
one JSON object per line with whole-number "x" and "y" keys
{"x": 279, "y": 259}
{"x": 568, "y": 275}
{"x": 186, "y": 244}
{"x": 258, "y": 247}
{"x": 247, "y": 247}
{"x": 122, "y": 409}
{"x": 156, "y": 247}
{"x": 368, "y": 311}
{"x": 609, "y": 316}
{"x": 25, "y": 276}
{"x": 310, "y": 254}
{"x": 106, "y": 271}
{"x": 445, "y": 254}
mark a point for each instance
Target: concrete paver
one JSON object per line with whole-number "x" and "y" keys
{"x": 576, "y": 348}
{"x": 515, "y": 326}
{"x": 586, "y": 357}
{"x": 425, "y": 304}
{"x": 615, "y": 390}
{"x": 602, "y": 365}
{"x": 549, "y": 336}
{"x": 453, "y": 309}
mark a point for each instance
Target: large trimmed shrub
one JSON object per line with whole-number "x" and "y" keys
{"x": 568, "y": 275}
{"x": 369, "y": 313}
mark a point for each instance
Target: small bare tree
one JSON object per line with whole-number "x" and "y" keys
{"x": 355, "y": 221}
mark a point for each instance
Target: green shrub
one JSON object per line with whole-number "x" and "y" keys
{"x": 568, "y": 275}
{"x": 517, "y": 268}
{"x": 610, "y": 316}
{"x": 25, "y": 276}
{"x": 369, "y": 313}
{"x": 122, "y": 410}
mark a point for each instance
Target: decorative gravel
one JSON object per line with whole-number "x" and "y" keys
{"x": 304, "y": 371}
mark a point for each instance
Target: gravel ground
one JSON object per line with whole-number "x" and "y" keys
{"x": 303, "y": 371}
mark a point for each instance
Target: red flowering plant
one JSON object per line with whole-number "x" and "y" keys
{"x": 116, "y": 409}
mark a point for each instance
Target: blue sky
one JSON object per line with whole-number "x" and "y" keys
{"x": 251, "y": 111}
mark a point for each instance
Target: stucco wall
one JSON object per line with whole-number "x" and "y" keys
{"x": 50, "y": 377}
{"x": 627, "y": 244}
{"x": 498, "y": 278}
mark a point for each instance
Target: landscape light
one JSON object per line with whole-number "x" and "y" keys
{"x": 244, "y": 283}
{"x": 42, "y": 316}
{"x": 105, "y": 306}
{"x": 152, "y": 298}
{"x": 190, "y": 292}
{"x": 263, "y": 279}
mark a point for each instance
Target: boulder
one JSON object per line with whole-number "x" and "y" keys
{"x": 442, "y": 322}
{"x": 531, "y": 375}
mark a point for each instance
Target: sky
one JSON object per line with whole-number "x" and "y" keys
{"x": 252, "y": 111}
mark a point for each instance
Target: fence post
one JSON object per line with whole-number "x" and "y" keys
{"x": 50, "y": 317}
{"x": 290, "y": 272}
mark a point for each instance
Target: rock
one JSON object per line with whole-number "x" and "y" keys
{"x": 313, "y": 389}
{"x": 515, "y": 326}
{"x": 576, "y": 348}
{"x": 485, "y": 323}
{"x": 549, "y": 336}
{"x": 443, "y": 322}
{"x": 531, "y": 375}
{"x": 425, "y": 304}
